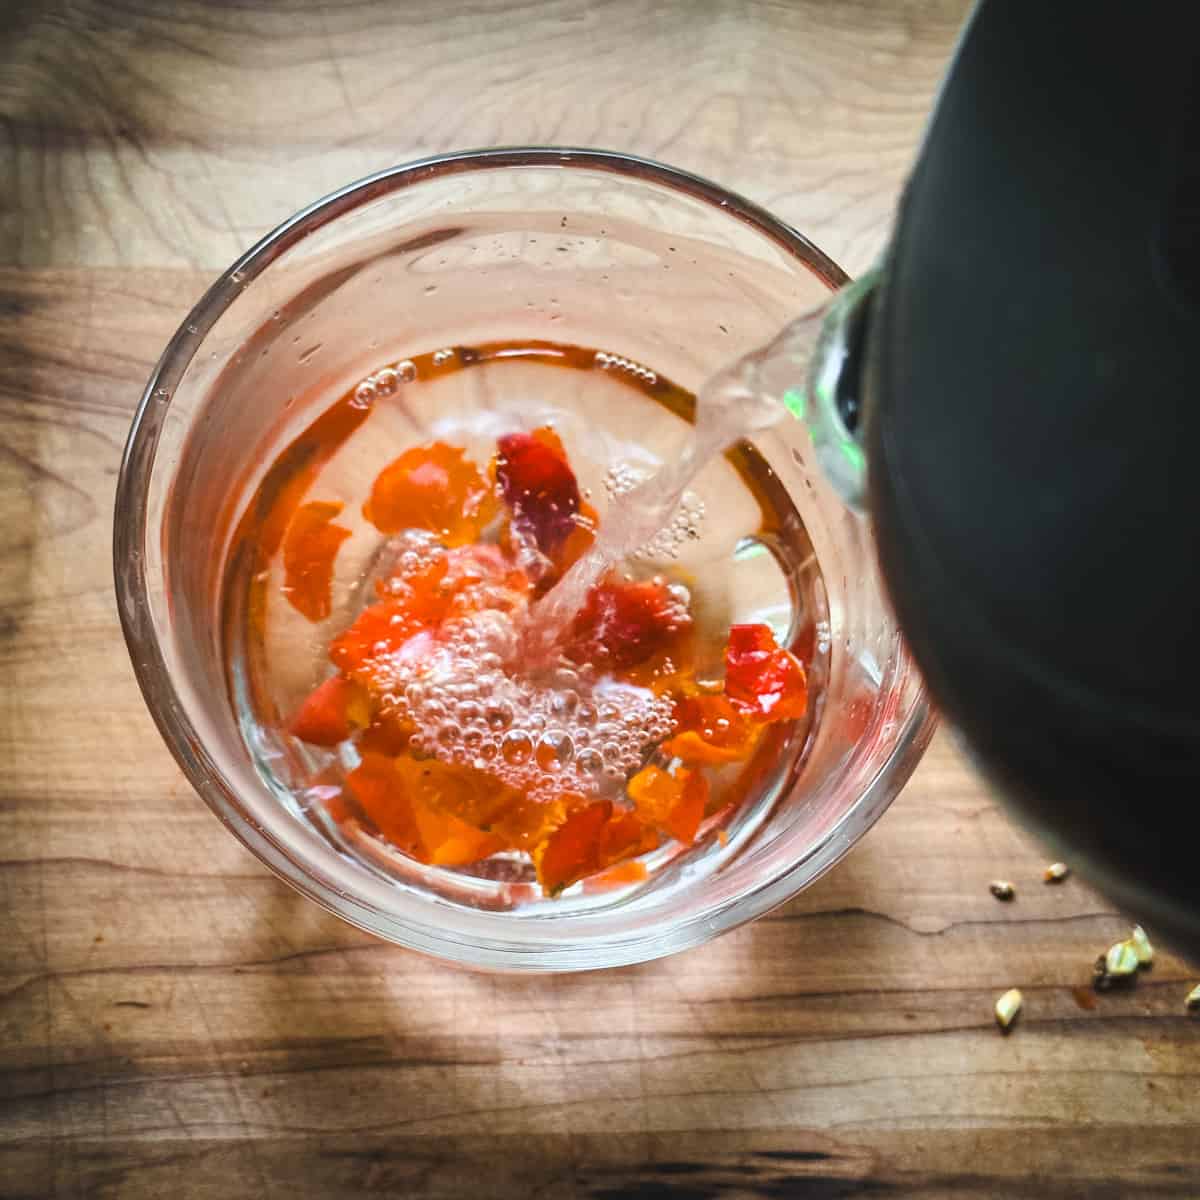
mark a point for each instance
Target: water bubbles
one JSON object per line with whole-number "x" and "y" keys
{"x": 384, "y": 382}
{"x": 589, "y": 761}
{"x": 499, "y": 716}
{"x": 552, "y": 730}
{"x": 441, "y": 357}
{"x": 554, "y": 750}
{"x": 684, "y": 525}
{"x": 824, "y": 637}
{"x": 516, "y": 748}
{"x": 616, "y": 362}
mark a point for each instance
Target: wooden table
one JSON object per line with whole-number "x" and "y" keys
{"x": 173, "y": 1021}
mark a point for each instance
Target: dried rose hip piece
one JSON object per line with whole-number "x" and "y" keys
{"x": 710, "y": 730}
{"x": 376, "y": 788}
{"x": 381, "y": 630}
{"x": 623, "y": 624}
{"x": 572, "y": 851}
{"x": 331, "y": 713}
{"x": 403, "y": 799}
{"x": 674, "y": 803}
{"x": 762, "y": 680}
{"x": 436, "y": 488}
{"x": 309, "y": 548}
{"x": 539, "y": 487}
{"x": 591, "y": 839}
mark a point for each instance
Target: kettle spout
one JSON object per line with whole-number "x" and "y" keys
{"x": 815, "y": 369}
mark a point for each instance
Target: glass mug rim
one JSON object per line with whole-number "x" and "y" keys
{"x": 133, "y": 587}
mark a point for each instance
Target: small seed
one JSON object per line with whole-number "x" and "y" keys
{"x": 1121, "y": 960}
{"x": 1002, "y": 889}
{"x": 1101, "y": 980}
{"x": 1192, "y": 1003}
{"x": 1007, "y": 1008}
{"x": 1141, "y": 943}
{"x": 1056, "y": 872}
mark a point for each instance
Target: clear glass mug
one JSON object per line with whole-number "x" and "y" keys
{"x": 659, "y": 266}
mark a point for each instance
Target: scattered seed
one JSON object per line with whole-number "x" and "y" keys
{"x": 1121, "y": 960}
{"x": 1192, "y": 1003}
{"x": 1008, "y": 1006}
{"x": 1141, "y": 943}
{"x": 1002, "y": 889}
{"x": 1056, "y": 872}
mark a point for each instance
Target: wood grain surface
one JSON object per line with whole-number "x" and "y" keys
{"x": 174, "y": 1021}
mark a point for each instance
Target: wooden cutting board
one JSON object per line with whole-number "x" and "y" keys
{"x": 174, "y": 1021}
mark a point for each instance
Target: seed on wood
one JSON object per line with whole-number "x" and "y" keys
{"x": 1141, "y": 943}
{"x": 1008, "y": 1006}
{"x": 1056, "y": 872}
{"x": 1192, "y": 1003}
{"x": 1002, "y": 889}
{"x": 1121, "y": 960}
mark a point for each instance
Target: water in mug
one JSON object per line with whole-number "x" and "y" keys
{"x": 681, "y": 496}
